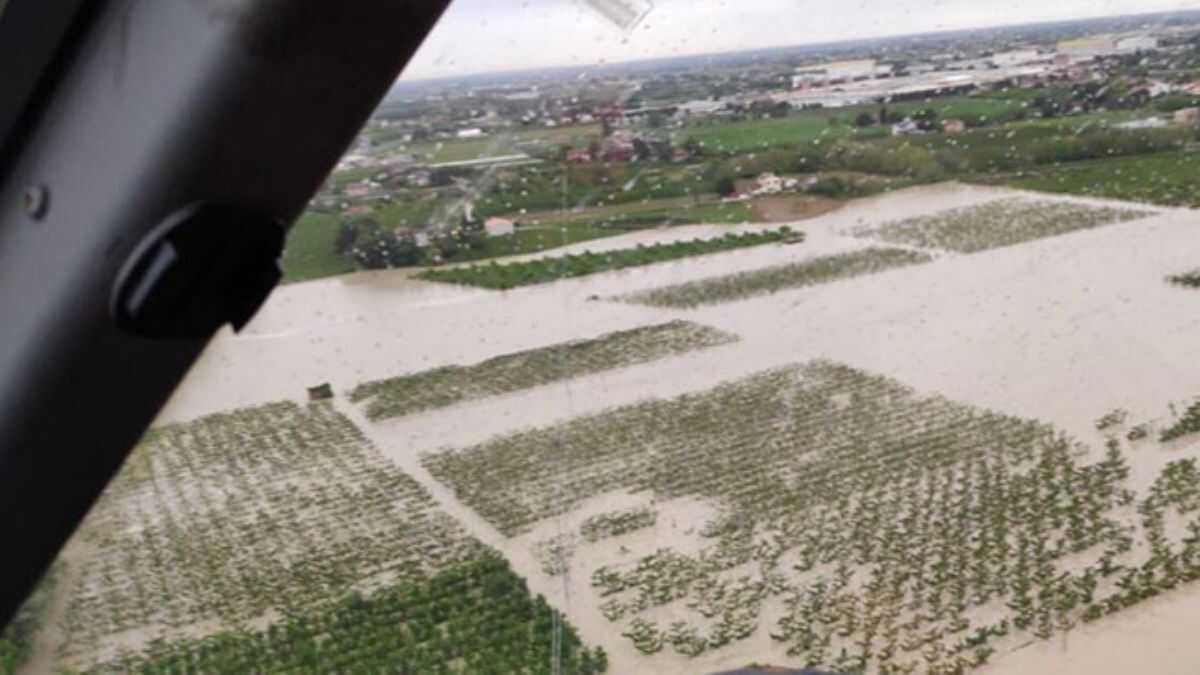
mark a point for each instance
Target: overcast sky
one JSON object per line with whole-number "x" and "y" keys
{"x": 489, "y": 35}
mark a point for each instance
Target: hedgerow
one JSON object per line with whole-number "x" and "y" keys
{"x": 512, "y": 275}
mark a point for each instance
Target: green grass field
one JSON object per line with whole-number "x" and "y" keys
{"x": 672, "y": 210}
{"x": 814, "y": 125}
{"x": 754, "y": 135}
{"x": 1167, "y": 178}
{"x": 310, "y": 247}
{"x": 500, "y": 143}
{"x": 535, "y": 239}
{"x": 309, "y": 253}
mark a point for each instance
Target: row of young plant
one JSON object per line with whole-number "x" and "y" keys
{"x": 440, "y": 387}
{"x": 743, "y": 285}
{"x": 1003, "y": 222}
{"x": 475, "y": 617}
{"x": 512, "y": 275}
{"x": 279, "y": 508}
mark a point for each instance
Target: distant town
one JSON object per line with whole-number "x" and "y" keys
{"x": 434, "y": 175}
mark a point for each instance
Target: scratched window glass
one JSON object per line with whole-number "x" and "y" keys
{"x": 689, "y": 336}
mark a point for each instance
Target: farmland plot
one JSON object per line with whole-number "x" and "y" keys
{"x": 888, "y": 531}
{"x": 1003, "y": 222}
{"x": 244, "y": 515}
{"x": 441, "y": 387}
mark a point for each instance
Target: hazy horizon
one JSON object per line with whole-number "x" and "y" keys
{"x": 566, "y": 33}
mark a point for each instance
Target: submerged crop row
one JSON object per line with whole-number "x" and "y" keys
{"x": 477, "y": 617}
{"x": 890, "y": 532}
{"x": 617, "y": 523}
{"x": 998, "y": 223}
{"x": 1188, "y": 279}
{"x": 776, "y": 439}
{"x": 744, "y": 285}
{"x": 445, "y": 386}
{"x": 1187, "y": 424}
{"x": 235, "y": 516}
{"x": 511, "y": 275}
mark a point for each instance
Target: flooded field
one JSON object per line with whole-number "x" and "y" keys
{"x": 705, "y": 508}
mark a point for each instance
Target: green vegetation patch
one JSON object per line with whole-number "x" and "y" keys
{"x": 744, "y": 285}
{"x": 616, "y": 523}
{"x": 1003, "y": 222}
{"x": 1166, "y": 178}
{"x": 278, "y": 508}
{"x": 445, "y": 386}
{"x": 476, "y": 617}
{"x": 655, "y": 212}
{"x": 1187, "y": 424}
{"x": 536, "y": 239}
{"x": 16, "y": 639}
{"x": 899, "y": 532}
{"x": 545, "y": 270}
{"x": 1189, "y": 279}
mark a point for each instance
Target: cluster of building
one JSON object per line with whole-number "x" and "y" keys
{"x": 851, "y": 82}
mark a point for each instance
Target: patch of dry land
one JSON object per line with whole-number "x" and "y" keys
{"x": 949, "y": 432}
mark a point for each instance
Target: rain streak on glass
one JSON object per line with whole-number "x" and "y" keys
{"x": 673, "y": 337}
